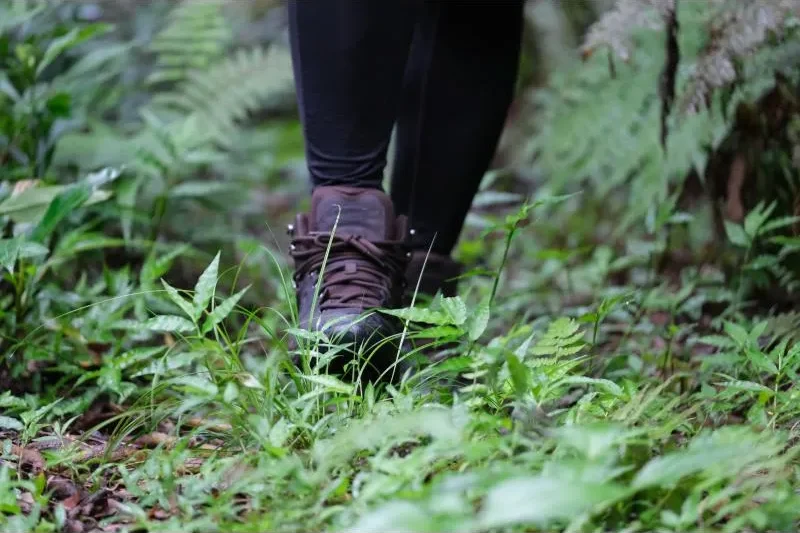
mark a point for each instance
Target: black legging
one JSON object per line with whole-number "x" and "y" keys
{"x": 442, "y": 71}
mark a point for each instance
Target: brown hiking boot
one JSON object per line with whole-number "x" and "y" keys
{"x": 364, "y": 269}
{"x": 439, "y": 274}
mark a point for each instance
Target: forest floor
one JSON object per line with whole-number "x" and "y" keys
{"x": 585, "y": 391}
{"x": 615, "y": 360}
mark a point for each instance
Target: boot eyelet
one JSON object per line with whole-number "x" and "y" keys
{"x": 412, "y": 232}
{"x": 290, "y": 229}
{"x": 292, "y": 247}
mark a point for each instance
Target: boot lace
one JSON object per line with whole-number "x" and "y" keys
{"x": 359, "y": 273}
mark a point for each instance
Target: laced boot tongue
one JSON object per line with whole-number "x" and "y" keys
{"x": 364, "y": 212}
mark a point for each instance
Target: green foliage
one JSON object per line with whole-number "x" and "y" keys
{"x": 591, "y": 375}
{"x": 615, "y": 105}
{"x": 196, "y": 37}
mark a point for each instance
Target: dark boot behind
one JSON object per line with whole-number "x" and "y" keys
{"x": 439, "y": 273}
{"x": 434, "y": 273}
{"x": 364, "y": 269}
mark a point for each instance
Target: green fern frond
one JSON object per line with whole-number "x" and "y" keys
{"x": 562, "y": 338}
{"x": 784, "y": 325}
{"x": 613, "y": 30}
{"x": 195, "y": 37}
{"x": 196, "y": 123}
{"x": 219, "y": 97}
{"x": 600, "y": 125}
{"x": 738, "y": 29}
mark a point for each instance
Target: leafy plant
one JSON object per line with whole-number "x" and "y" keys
{"x": 612, "y": 362}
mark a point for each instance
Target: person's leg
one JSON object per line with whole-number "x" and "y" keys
{"x": 349, "y": 59}
{"x": 459, "y": 84}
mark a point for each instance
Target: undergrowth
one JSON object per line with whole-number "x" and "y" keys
{"x": 612, "y": 362}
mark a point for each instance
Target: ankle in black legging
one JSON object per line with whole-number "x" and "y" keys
{"x": 443, "y": 72}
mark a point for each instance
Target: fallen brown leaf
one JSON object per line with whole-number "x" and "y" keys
{"x": 62, "y": 488}
{"x": 151, "y": 440}
{"x": 213, "y": 425}
{"x": 30, "y": 460}
{"x": 73, "y": 526}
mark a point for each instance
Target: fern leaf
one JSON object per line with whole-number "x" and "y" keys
{"x": 737, "y": 30}
{"x": 227, "y": 92}
{"x": 562, "y": 338}
{"x": 196, "y": 36}
{"x": 614, "y": 29}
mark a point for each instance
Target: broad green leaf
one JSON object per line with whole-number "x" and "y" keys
{"x": 779, "y": 223}
{"x": 541, "y": 500}
{"x": 737, "y": 333}
{"x": 13, "y": 249}
{"x": 196, "y": 383}
{"x": 762, "y": 262}
{"x": 329, "y": 382}
{"x": 9, "y": 252}
{"x": 519, "y": 375}
{"x": 31, "y": 204}
{"x": 204, "y": 289}
{"x": 6, "y": 422}
{"x": 758, "y": 330}
{"x": 441, "y": 424}
{"x": 61, "y": 206}
{"x": 32, "y": 417}
{"x": 726, "y": 451}
{"x": 78, "y": 241}
{"x": 756, "y": 217}
{"x": 249, "y": 381}
{"x": 456, "y": 309}
{"x": 71, "y": 39}
{"x": 422, "y": 315}
{"x": 164, "y": 364}
{"x": 177, "y": 299}
{"x": 522, "y": 350}
{"x": 398, "y": 516}
{"x": 592, "y": 441}
{"x": 750, "y": 386}
{"x": 221, "y": 311}
{"x": 7, "y": 88}
{"x": 440, "y": 332}
{"x": 762, "y": 361}
{"x": 736, "y": 234}
{"x": 230, "y": 393}
{"x": 279, "y": 433}
{"x": 169, "y": 324}
{"x": 480, "y": 319}
{"x": 7, "y": 400}
{"x": 137, "y": 355}
{"x": 606, "y": 384}
{"x": 127, "y": 191}
{"x": 718, "y": 341}
{"x": 156, "y": 266}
